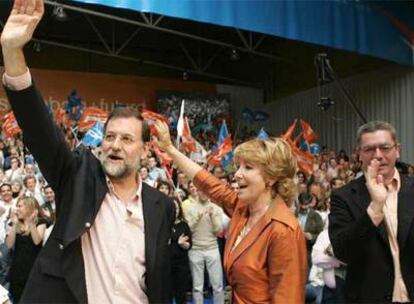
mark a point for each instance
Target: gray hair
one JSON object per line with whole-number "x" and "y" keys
{"x": 376, "y": 125}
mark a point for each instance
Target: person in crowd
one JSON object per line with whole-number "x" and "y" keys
{"x": 32, "y": 188}
{"x": 143, "y": 172}
{"x": 370, "y": 223}
{"x": 192, "y": 197}
{"x": 7, "y": 201}
{"x": 15, "y": 173}
{"x": 181, "y": 242}
{"x": 155, "y": 173}
{"x": 265, "y": 255}
{"x": 49, "y": 207}
{"x": 310, "y": 221}
{"x": 334, "y": 271}
{"x": 24, "y": 238}
{"x": 102, "y": 206}
{"x": 17, "y": 189}
{"x": 164, "y": 187}
{"x": 204, "y": 219}
{"x": 337, "y": 183}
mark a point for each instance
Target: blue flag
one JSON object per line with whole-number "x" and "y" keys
{"x": 262, "y": 134}
{"x": 94, "y": 136}
{"x": 223, "y": 133}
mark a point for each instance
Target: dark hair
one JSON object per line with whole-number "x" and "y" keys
{"x": 5, "y": 184}
{"x": 180, "y": 215}
{"x": 129, "y": 112}
{"x": 377, "y": 125}
{"x": 164, "y": 183}
{"x": 305, "y": 198}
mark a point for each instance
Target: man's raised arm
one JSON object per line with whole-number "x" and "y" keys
{"x": 18, "y": 30}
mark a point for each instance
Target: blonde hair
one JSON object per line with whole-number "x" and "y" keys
{"x": 276, "y": 160}
{"x": 31, "y": 205}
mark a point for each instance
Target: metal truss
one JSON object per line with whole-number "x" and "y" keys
{"x": 250, "y": 43}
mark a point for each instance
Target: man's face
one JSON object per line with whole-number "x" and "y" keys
{"x": 379, "y": 145}
{"x": 152, "y": 163}
{"x": 122, "y": 147}
{"x": 31, "y": 184}
{"x": 49, "y": 194}
{"x": 29, "y": 169}
{"x": 6, "y": 193}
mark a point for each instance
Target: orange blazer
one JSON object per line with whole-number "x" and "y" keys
{"x": 270, "y": 264}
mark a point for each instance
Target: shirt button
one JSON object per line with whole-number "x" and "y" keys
{"x": 61, "y": 246}
{"x": 87, "y": 225}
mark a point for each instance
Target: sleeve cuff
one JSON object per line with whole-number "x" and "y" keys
{"x": 18, "y": 83}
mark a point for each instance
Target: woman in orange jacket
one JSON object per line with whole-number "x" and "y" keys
{"x": 265, "y": 254}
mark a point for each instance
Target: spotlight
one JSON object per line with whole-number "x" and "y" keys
{"x": 59, "y": 13}
{"x": 37, "y": 47}
{"x": 325, "y": 103}
{"x": 234, "y": 56}
{"x": 185, "y": 75}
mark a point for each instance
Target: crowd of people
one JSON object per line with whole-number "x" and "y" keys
{"x": 271, "y": 233}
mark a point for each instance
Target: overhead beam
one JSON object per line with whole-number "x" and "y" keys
{"x": 148, "y": 62}
{"x": 165, "y": 30}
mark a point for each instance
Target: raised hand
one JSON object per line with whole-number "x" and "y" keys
{"x": 21, "y": 23}
{"x": 375, "y": 183}
{"x": 163, "y": 140}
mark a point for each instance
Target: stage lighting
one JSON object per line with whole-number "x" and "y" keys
{"x": 59, "y": 13}
{"x": 325, "y": 103}
{"x": 234, "y": 55}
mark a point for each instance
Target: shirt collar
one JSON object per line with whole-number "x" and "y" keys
{"x": 396, "y": 181}
{"x": 138, "y": 192}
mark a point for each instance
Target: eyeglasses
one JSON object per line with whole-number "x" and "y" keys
{"x": 384, "y": 148}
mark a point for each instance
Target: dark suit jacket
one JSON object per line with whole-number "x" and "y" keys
{"x": 365, "y": 247}
{"x": 78, "y": 180}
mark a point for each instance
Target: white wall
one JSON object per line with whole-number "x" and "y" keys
{"x": 386, "y": 94}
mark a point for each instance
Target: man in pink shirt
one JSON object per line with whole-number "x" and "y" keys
{"x": 110, "y": 243}
{"x": 371, "y": 225}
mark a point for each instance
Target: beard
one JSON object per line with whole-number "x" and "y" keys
{"x": 119, "y": 169}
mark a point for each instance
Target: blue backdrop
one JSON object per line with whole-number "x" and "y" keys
{"x": 382, "y": 29}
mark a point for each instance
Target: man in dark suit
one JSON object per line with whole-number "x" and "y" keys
{"x": 371, "y": 222}
{"x": 110, "y": 243}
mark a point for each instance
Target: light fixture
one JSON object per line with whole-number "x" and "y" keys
{"x": 59, "y": 13}
{"x": 325, "y": 103}
{"x": 185, "y": 75}
{"x": 234, "y": 55}
{"x": 37, "y": 47}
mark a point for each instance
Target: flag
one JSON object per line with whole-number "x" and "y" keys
{"x": 151, "y": 117}
{"x": 188, "y": 142}
{"x": 180, "y": 124}
{"x": 10, "y": 126}
{"x": 224, "y": 152}
{"x": 74, "y": 106}
{"x": 262, "y": 134}
{"x": 289, "y": 132}
{"x": 216, "y": 157}
{"x": 305, "y": 159}
{"x": 90, "y": 116}
{"x": 60, "y": 117}
{"x": 308, "y": 134}
{"x": 94, "y": 136}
